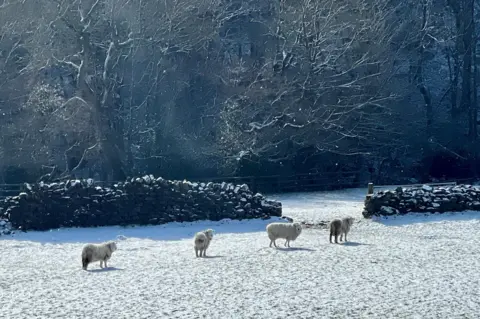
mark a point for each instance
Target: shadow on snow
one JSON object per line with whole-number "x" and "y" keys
{"x": 354, "y": 244}
{"x": 104, "y": 269}
{"x": 294, "y": 249}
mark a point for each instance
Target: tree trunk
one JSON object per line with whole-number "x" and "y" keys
{"x": 473, "y": 114}
{"x": 468, "y": 42}
{"x": 458, "y": 99}
{"x": 101, "y": 110}
{"x": 421, "y": 85}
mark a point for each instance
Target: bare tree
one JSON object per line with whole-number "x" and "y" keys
{"x": 94, "y": 58}
{"x": 19, "y": 140}
{"x": 322, "y": 86}
{"x": 165, "y": 111}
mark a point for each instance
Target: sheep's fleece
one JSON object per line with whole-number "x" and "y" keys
{"x": 340, "y": 227}
{"x": 289, "y": 231}
{"x": 97, "y": 252}
{"x": 202, "y": 242}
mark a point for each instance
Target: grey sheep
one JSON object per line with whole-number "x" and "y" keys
{"x": 202, "y": 241}
{"x": 97, "y": 252}
{"x": 340, "y": 227}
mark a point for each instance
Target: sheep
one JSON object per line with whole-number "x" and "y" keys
{"x": 340, "y": 227}
{"x": 289, "y": 231}
{"x": 97, "y": 252}
{"x": 201, "y": 242}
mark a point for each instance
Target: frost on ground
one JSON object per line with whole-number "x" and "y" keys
{"x": 406, "y": 267}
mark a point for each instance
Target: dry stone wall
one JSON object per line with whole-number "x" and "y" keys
{"x": 426, "y": 199}
{"x": 141, "y": 201}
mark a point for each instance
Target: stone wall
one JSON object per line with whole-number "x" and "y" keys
{"x": 141, "y": 201}
{"x": 425, "y": 199}
{"x": 5, "y": 227}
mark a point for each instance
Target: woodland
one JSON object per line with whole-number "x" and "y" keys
{"x": 208, "y": 88}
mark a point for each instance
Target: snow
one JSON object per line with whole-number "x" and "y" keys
{"x": 427, "y": 188}
{"x": 413, "y": 266}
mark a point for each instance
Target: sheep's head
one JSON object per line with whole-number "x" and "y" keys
{"x": 298, "y": 227}
{"x": 209, "y": 233}
{"x": 112, "y": 246}
{"x": 349, "y": 221}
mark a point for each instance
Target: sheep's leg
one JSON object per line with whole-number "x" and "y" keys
{"x": 345, "y": 237}
{"x": 196, "y": 252}
{"x": 205, "y": 252}
{"x": 341, "y": 236}
{"x": 84, "y": 263}
{"x": 288, "y": 244}
{"x": 285, "y": 244}
{"x": 105, "y": 262}
{"x": 336, "y": 239}
{"x": 101, "y": 263}
{"x": 274, "y": 244}
{"x": 271, "y": 241}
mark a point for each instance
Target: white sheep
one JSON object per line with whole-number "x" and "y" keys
{"x": 97, "y": 252}
{"x": 201, "y": 242}
{"x": 289, "y": 231}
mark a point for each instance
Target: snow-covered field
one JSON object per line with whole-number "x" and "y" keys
{"x": 407, "y": 267}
